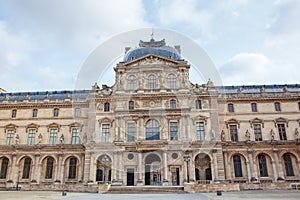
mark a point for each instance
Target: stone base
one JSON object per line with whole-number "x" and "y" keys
{"x": 165, "y": 183}
{"x": 140, "y": 183}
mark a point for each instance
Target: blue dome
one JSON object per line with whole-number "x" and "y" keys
{"x": 152, "y": 47}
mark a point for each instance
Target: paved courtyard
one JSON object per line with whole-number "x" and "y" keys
{"x": 246, "y": 195}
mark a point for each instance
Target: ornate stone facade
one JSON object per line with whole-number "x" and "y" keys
{"x": 152, "y": 127}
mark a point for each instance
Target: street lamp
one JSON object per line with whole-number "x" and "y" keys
{"x": 105, "y": 160}
{"x": 186, "y": 158}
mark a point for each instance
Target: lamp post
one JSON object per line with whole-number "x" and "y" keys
{"x": 186, "y": 158}
{"x": 105, "y": 160}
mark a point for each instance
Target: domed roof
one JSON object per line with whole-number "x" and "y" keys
{"x": 152, "y": 47}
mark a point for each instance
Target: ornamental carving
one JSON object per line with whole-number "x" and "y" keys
{"x": 232, "y": 121}
{"x": 256, "y": 121}
{"x": 281, "y": 120}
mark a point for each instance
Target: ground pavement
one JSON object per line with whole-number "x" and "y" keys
{"x": 245, "y": 195}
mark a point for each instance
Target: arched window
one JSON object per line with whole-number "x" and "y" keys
{"x": 72, "y": 168}
{"x": 3, "y": 169}
{"x": 131, "y": 83}
{"x": 172, "y": 81}
{"x": 237, "y": 166}
{"x": 288, "y": 165}
{"x": 152, "y": 130}
{"x": 106, "y": 107}
{"x": 26, "y": 168}
{"x": 263, "y": 168}
{"x": 49, "y": 168}
{"x": 151, "y": 82}
{"x": 173, "y": 104}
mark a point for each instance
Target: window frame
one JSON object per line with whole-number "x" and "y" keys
{"x": 234, "y": 136}
{"x": 34, "y": 113}
{"x": 26, "y": 168}
{"x": 152, "y": 130}
{"x": 13, "y": 113}
{"x": 106, "y": 107}
{"x": 4, "y": 167}
{"x": 172, "y": 81}
{"x": 230, "y": 107}
{"x": 72, "y": 173}
{"x": 105, "y": 133}
{"x": 198, "y": 104}
{"x": 53, "y": 136}
{"x": 254, "y": 107}
{"x": 173, "y": 130}
{"x": 173, "y": 104}
{"x": 237, "y": 165}
{"x": 152, "y": 82}
{"x": 55, "y": 112}
{"x": 282, "y": 131}
{"x": 263, "y": 166}
{"x": 10, "y": 136}
{"x": 131, "y": 129}
{"x": 131, "y": 82}
{"x": 277, "y": 106}
{"x": 200, "y": 131}
{"x": 75, "y": 135}
{"x": 31, "y": 136}
{"x": 257, "y": 132}
{"x": 131, "y": 105}
{"x": 288, "y": 164}
{"x": 77, "y": 112}
{"x": 49, "y": 168}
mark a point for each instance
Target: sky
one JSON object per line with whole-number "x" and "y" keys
{"x": 44, "y": 43}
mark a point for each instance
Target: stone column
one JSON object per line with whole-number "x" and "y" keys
{"x": 248, "y": 171}
{"x": 141, "y": 129}
{"x": 215, "y": 163}
{"x": 92, "y": 176}
{"x": 114, "y": 165}
{"x": 252, "y": 169}
{"x": 278, "y": 172}
{"x": 227, "y": 166}
{"x": 140, "y": 163}
{"x": 165, "y": 166}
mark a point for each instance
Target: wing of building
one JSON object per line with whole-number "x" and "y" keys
{"x": 152, "y": 127}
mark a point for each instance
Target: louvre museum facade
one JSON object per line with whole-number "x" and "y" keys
{"x": 152, "y": 127}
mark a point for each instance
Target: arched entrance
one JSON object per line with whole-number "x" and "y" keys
{"x": 203, "y": 167}
{"x": 103, "y": 173}
{"x": 152, "y": 170}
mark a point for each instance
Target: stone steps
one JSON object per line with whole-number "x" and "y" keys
{"x": 146, "y": 190}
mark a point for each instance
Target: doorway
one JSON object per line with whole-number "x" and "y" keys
{"x": 152, "y": 170}
{"x": 130, "y": 177}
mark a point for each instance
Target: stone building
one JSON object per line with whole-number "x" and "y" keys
{"x": 152, "y": 127}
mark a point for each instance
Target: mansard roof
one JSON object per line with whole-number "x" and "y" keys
{"x": 152, "y": 47}
{"x": 256, "y": 89}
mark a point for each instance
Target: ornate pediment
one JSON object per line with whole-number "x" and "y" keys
{"x": 281, "y": 120}
{"x": 232, "y": 122}
{"x": 75, "y": 125}
{"x": 151, "y": 59}
{"x": 32, "y": 126}
{"x": 10, "y": 127}
{"x": 53, "y": 126}
{"x": 200, "y": 118}
{"x": 256, "y": 121}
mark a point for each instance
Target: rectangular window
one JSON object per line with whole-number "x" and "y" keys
{"x": 14, "y": 113}
{"x": 173, "y": 131}
{"x": 34, "y": 112}
{"x": 198, "y": 104}
{"x": 230, "y": 108}
{"x": 10, "y": 136}
{"x": 53, "y": 135}
{"x": 257, "y": 132}
{"x": 173, "y": 104}
{"x": 130, "y": 132}
{"x": 254, "y": 107}
{"x": 131, "y": 105}
{"x": 200, "y": 131}
{"x": 75, "y": 136}
{"x": 55, "y": 112}
{"x": 298, "y": 105}
{"x": 281, "y": 131}
{"x": 105, "y": 132}
{"x": 277, "y": 106}
{"x": 233, "y": 133}
{"x": 72, "y": 168}
{"x": 77, "y": 112}
{"x": 31, "y": 136}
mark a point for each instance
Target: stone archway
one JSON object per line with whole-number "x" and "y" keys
{"x": 203, "y": 171}
{"x": 103, "y": 171}
{"x": 153, "y": 170}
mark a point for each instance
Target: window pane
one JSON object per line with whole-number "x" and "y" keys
{"x": 288, "y": 165}
{"x": 130, "y": 132}
{"x": 152, "y": 130}
{"x": 257, "y": 132}
{"x": 106, "y": 107}
{"x": 263, "y": 169}
{"x": 281, "y": 131}
{"x": 277, "y": 106}
{"x": 10, "y": 136}
{"x": 237, "y": 166}
{"x": 131, "y": 105}
{"x": 198, "y": 104}
{"x": 172, "y": 81}
{"x": 55, "y": 112}
{"x": 3, "y": 169}
{"x": 200, "y": 131}
{"x": 26, "y": 168}
{"x": 151, "y": 82}
{"x": 132, "y": 83}
{"x": 233, "y": 133}
{"x": 77, "y": 112}
{"x": 230, "y": 107}
{"x": 254, "y": 107}
{"x": 105, "y": 132}
{"x": 72, "y": 168}
{"x": 173, "y": 104}
{"x": 49, "y": 168}
{"x": 173, "y": 131}
{"x": 75, "y": 136}
{"x": 53, "y": 134}
{"x": 31, "y": 136}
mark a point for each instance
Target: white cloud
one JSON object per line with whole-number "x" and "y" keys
{"x": 246, "y": 68}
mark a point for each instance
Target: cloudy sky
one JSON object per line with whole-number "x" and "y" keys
{"x": 43, "y": 43}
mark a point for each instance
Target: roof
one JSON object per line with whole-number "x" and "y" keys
{"x": 253, "y": 89}
{"x": 152, "y": 47}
